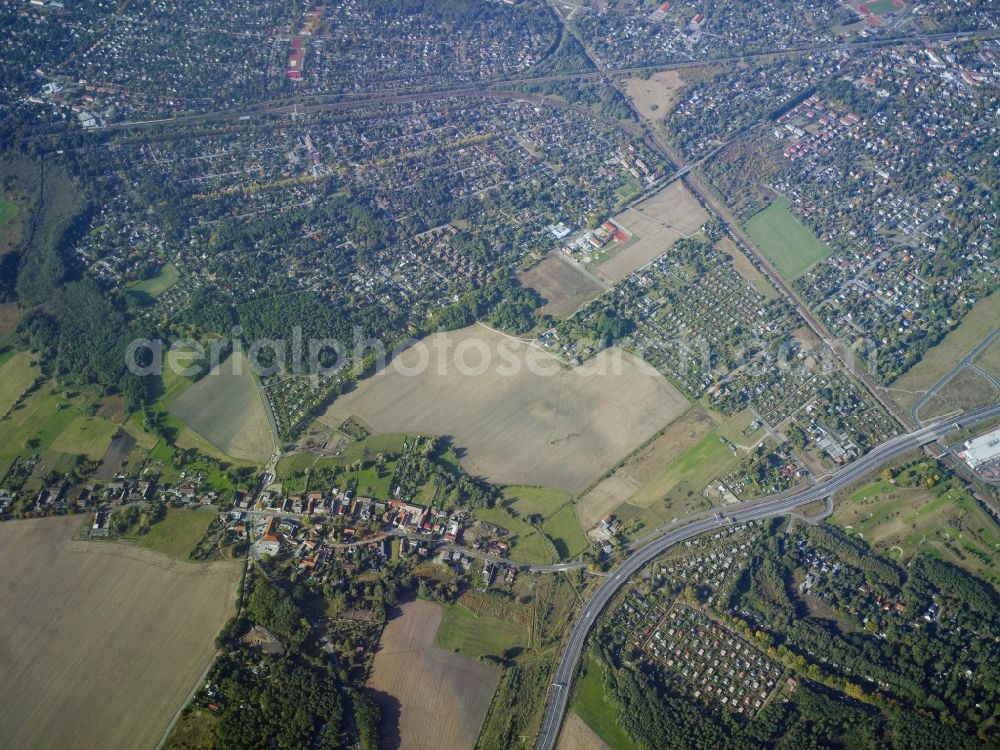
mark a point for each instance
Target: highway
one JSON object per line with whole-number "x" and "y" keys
{"x": 750, "y": 511}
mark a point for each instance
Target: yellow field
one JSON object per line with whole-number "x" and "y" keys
{"x": 536, "y": 423}
{"x": 637, "y": 481}
{"x": 657, "y": 223}
{"x": 101, "y": 642}
{"x": 576, "y": 735}
{"x": 653, "y": 97}
{"x": 564, "y": 289}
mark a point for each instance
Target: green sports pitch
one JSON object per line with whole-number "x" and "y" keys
{"x": 784, "y": 240}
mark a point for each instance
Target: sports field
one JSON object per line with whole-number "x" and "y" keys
{"x": 789, "y": 245}
{"x": 656, "y": 223}
{"x": 102, "y": 642}
{"x": 524, "y": 418}
{"x": 880, "y": 7}
{"x": 430, "y": 698}
{"x": 226, "y": 408}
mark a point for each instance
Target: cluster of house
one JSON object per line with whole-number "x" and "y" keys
{"x": 628, "y": 35}
{"x": 363, "y": 48}
{"x": 813, "y": 125}
{"x": 888, "y": 223}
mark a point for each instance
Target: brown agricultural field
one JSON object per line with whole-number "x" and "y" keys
{"x": 524, "y": 419}
{"x": 576, "y": 735}
{"x": 656, "y": 223}
{"x": 100, "y": 643}
{"x": 564, "y": 289}
{"x": 641, "y": 468}
{"x": 429, "y": 697}
{"x": 654, "y": 96}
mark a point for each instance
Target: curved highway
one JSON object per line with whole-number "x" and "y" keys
{"x": 765, "y": 508}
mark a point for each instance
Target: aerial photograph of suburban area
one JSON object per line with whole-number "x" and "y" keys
{"x": 500, "y": 374}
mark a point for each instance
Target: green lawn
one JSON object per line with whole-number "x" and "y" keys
{"x": 531, "y": 500}
{"x": 600, "y": 715}
{"x": 462, "y": 631}
{"x": 945, "y": 521}
{"x": 373, "y": 482}
{"x": 16, "y": 376}
{"x": 86, "y": 436}
{"x": 564, "y": 531}
{"x": 878, "y": 7}
{"x": 178, "y": 533}
{"x": 784, "y": 240}
{"x": 696, "y": 467}
{"x": 8, "y": 210}
{"x": 33, "y": 427}
{"x": 527, "y": 545}
{"x": 532, "y": 549}
{"x": 149, "y": 289}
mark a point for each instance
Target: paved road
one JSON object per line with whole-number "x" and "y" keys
{"x": 765, "y": 508}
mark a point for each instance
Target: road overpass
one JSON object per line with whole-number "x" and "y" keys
{"x": 767, "y": 507}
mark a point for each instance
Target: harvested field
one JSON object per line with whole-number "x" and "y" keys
{"x": 976, "y": 325}
{"x": 641, "y": 471}
{"x": 653, "y": 97}
{"x": 564, "y": 289}
{"x": 656, "y": 224}
{"x": 101, "y": 642}
{"x": 966, "y": 391}
{"x": 429, "y": 697}
{"x": 576, "y": 735}
{"x": 523, "y": 418}
{"x": 226, "y": 408}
